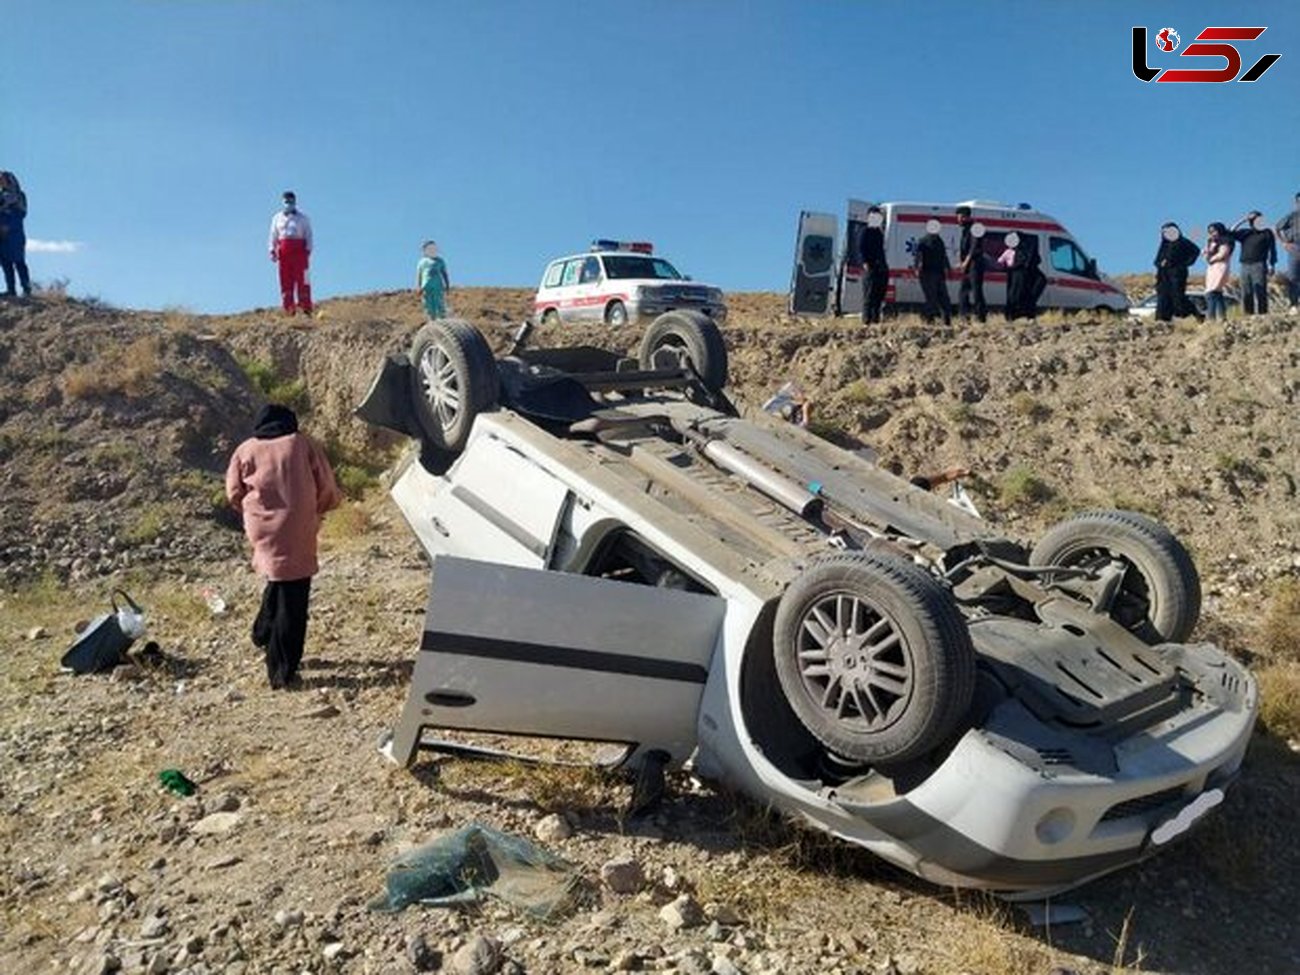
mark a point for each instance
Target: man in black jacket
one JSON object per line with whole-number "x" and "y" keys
{"x": 877, "y": 268}
{"x": 970, "y": 260}
{"x": 1258, "y": 256}
{"x": 931, "y": 261}
{"x": 1175, "y": 255}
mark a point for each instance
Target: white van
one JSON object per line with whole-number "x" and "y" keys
{"x": 823, "y": 284}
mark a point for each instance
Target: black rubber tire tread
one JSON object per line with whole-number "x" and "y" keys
{"x": 936, "y": 635}
{"x": 699, "y": 335}
{"x": 1151, "y": 548}
{"x": 476, "y": 375}
{"x": 609, "y": 314}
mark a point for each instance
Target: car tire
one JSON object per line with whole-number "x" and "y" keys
{"x": 550, "y": 318}
{"x": 694, "y": 335}
{"x": 1160, "y": 598}
{"x": 616, "y": 314}
{"x": 453, "y": 380}
{"x": 890, "y": 702}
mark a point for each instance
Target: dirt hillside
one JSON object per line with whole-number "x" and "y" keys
{"x": 114, "y": 430}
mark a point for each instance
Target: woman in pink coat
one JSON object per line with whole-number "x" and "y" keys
{"x": 280, "y": 481}
{"x": 1218, "y": 260}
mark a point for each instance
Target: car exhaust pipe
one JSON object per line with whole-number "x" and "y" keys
{"x": 789, "y": 494}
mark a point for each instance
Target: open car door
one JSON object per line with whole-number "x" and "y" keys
{"x": 813, "y": 283}
{"x": 552, "y": 654}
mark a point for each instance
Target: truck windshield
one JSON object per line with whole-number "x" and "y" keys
{"x": 640, "y": 267}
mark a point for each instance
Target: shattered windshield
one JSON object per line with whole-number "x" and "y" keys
{"x": 640, "y": 267}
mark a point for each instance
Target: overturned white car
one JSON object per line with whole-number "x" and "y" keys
{"x": 619, "y": 556}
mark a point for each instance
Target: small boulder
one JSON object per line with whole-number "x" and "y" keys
{"x": 623, "y": 875}
{"x": 478, "y": 956}
{"x": 683, "y": 912}
{"x": 552, "y": 828}
{"x": 421, "y": 956}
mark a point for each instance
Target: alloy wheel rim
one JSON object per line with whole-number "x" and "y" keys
{"x": 441, "y": 387}
{"x": 854, "y": 662}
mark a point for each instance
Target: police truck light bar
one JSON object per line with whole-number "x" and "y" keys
{"x": 635, "y": 246}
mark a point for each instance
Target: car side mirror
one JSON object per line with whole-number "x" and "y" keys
{"x": 1092, "y": 267}
{"x": 687, "y": 278}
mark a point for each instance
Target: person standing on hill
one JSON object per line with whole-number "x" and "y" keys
{"x": 1174, "y": 256}
{"x": 970, "y": 261}
{"x": 432, "y": 281}
{"x": 1258, "y": 256}
{"x": 877, "y": 268}
{"x": 281, "y": 482}
{"x": 932, "y": 268}
{"x": 13, "y": 238}
{"x": 1218, "y": 261}
{"x": 1288, "y": 231}
{"x": 290, "y": 244}
{"x": 1024, "y": 278}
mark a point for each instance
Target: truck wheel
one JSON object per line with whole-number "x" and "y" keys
{"x": 550, "y": 318}
{"x": 1159, "y": 599}
{"x": 692, "y": 335}
{"x": 454, "y": 379}
{"x": 874, "y": 657}
{"x": 616, "y": 313}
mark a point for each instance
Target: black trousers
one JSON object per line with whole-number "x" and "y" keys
{"x": 1171, "y": 295}
{"x": 934, "y": 285}
{"x": 281, "y": 628}
{"x": 10, "y": 265}
{"x": 972, "y": 287}
{"x": 874, "y": 296}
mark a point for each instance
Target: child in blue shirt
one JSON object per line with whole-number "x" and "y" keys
{"x": 432, "y": 282}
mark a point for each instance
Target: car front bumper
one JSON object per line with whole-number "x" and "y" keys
{"x": 647, "y": 308}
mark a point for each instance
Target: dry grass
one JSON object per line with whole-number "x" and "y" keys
{"x": 130, "y": 371}
{"x": 1020, "y": 485}
{"x": 1026, "y": 405}
{"x": 346, "y": 523}
{"x": 1280, "y": 634}
{"x": 1279, "y": 699}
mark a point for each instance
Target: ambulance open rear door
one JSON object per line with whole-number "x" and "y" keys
{"x": 812, "y": 287}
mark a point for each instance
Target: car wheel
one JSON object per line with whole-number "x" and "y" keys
{"x": 550, "y": 318}
{"x": 691, "y": 336}
{"x": 616, "y": 313}
{"x": 874, "y": 658}
{"x": 454, "y": 379}
{"x": 1159, "y": 598}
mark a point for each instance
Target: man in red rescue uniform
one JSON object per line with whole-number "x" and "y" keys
{"x": 290, "y": 245}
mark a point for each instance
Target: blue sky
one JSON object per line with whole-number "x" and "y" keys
{"x": 158, "y": 135}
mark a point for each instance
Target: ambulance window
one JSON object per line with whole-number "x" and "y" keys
{"x": 1066, "y": 257}
{"x": 818, "y": 251}
{"x": 571, "y": 269}
{"x": 590, "y": 271}
{"x": 553, "y": 275}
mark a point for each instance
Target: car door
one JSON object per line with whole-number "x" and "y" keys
{"x": 569, "y": 291}
{"x": 554, "y": 654}
{"x": 813, "y": 282}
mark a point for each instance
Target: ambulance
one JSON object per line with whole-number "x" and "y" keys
{"x": 617, "y": 282}
{"x": 829, "y": 276}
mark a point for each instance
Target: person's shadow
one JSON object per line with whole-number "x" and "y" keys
{"x": 355, "y": 674}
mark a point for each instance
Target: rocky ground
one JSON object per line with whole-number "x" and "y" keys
{"x": 114, "y": 427}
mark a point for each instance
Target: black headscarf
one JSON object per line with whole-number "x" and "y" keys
{"x": 274, "y": 420}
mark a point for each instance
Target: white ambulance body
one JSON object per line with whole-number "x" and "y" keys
{"x": 822, "y": 284}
